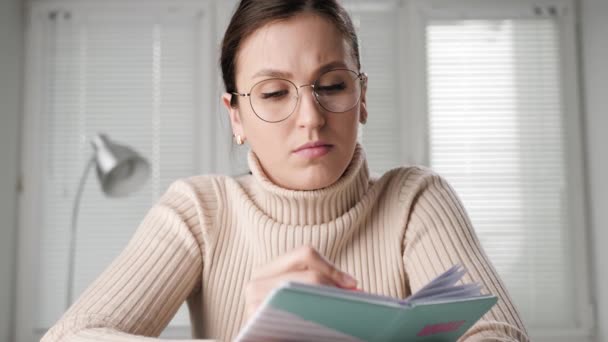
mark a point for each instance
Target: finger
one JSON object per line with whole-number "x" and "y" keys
{"x": 294, "y": 260}
{"x": 257, "y": 291}
{"x": 304, "y": 258}
{"x": 260, "y": 289}
{"x": 310, "y": 276}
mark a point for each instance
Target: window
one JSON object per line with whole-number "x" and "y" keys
{"x": 137, "y": 75}
{"x": 497, "y": 100}
{"x": 381, "y": 136}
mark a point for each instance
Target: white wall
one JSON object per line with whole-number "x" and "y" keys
{"x": 11, "y": 43}
{"x": 594, "y": 30}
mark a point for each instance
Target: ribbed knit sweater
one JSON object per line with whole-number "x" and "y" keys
{"x": 202, "y": 239}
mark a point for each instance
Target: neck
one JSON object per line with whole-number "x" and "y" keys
{"x": 311, "y": 207}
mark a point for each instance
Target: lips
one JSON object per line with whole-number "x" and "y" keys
{"x": 313, "y": 144}
{"x": 313, "y": 149}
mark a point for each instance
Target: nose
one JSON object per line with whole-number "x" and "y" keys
{"x": 308, "y": 112}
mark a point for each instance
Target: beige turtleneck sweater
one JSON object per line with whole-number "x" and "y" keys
{"x": 201, "y": 241}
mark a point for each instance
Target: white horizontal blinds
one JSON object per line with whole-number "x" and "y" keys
{"x": 132, "y": 76}
{"x": 376, "y": 24}
{"x": 495, "y": 118}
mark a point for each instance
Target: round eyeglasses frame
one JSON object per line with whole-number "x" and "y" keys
{"x": 361, "y": 76}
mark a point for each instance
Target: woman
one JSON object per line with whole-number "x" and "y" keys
{"x": 309, "y": 212}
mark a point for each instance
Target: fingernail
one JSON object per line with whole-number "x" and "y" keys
{"x": 348, "y": 280}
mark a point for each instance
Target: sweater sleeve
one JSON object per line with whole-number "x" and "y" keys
{"x": 142, "y": 289}
{"x": 438, "y": 235}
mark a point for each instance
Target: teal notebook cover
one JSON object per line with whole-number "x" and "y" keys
{"x": 441, "y": 311}
{"x": 434, "y": 321}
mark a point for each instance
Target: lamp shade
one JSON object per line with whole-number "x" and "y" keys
{"x": 120, "y": 169}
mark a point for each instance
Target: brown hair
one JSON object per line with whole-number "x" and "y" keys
{"x": 250, "y": 15}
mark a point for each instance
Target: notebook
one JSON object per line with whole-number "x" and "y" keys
{"x": 441, "y": 311}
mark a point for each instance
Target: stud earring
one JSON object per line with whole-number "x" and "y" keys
{"x": 239, "y": 140}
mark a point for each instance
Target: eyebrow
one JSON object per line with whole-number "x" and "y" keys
{"x": 288, "y": 75}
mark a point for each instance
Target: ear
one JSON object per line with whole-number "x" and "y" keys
{"x": 363, "y": 107}
{"x": 235, "y": 117}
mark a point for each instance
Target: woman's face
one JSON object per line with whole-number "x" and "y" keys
{"x": 299, "y": 49}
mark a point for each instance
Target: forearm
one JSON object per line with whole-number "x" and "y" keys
{"x": 139, "y": 293}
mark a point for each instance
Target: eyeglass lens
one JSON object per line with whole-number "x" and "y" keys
{"x": 336, "y": 91}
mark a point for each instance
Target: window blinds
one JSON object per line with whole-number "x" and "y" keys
{"x": 381, "y": 137}
{"x": 495, "y": 132}
{"x": 132, "y": 75}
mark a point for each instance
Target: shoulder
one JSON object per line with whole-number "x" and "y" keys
{"x": 411, "y": 180}
{"x": 207, "y": 192}
{"x": 201, "y": 194}
{"x": 192, "y": 189}
{"x": 420, "y": 198}
{"x": 416, "y": 188}
{"x": 199, "y": 201}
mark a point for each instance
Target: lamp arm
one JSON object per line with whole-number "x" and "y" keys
{"x": 74, "y": 231}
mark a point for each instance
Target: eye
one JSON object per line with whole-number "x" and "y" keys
{"x": 275, "y": 94}
{"x": 332, "y": 87}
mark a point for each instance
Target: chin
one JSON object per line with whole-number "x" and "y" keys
{"x": 316, "y": 180}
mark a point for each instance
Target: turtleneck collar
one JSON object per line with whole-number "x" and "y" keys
{"x": 311, "y": 207}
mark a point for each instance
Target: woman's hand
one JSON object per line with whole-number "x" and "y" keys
{"x": 304, "y": 265}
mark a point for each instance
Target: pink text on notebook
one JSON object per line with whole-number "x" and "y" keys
{"x": 433, "y": 329}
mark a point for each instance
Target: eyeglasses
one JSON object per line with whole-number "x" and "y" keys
{"x": 275, "y": 99}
